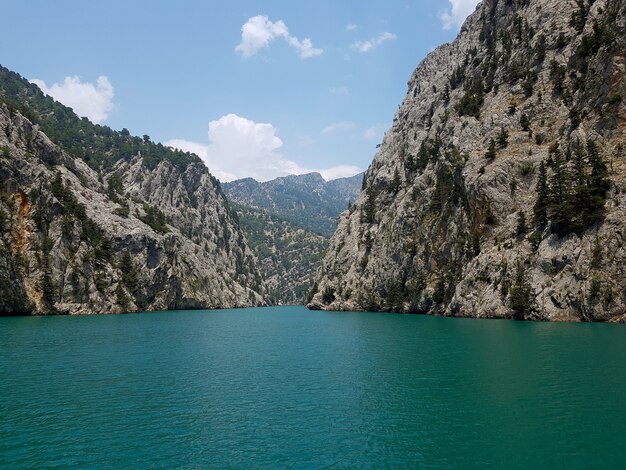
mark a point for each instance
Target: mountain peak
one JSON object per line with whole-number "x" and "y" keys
{"x": 306, "y": 200}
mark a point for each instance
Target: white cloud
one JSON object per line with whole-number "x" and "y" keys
{"x": 339, "y": 90}
{"x": 457, "y": 13}
{"x": 304, "y": 47}
{"x": 202, "y": 151}
{"x": 93, "y": 101}
{"x": 239, "y": 147}
{"x": 351, "y": 27}
{"x": 375, "y": 132}
{"x": 338, "y": 126}
{"x": 364, "y": 46}
{"x": 340, "y": 171}
{"x": 259, "y": 31}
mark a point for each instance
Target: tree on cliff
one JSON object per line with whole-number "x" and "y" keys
{"x": 521, "y": 294}
{"x": 540, "y": 210}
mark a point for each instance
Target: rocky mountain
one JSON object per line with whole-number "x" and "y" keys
{"x": 500, "y": 189}
{"x": 97, "y": 221}
{"x": 288, "y": 222}
{"x": 288, "y": 255}
{"x": 307, "y": 201}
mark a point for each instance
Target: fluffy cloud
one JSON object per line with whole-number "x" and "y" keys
{"x": 351, "y": 27}
{"x": 338, "y": 126}
{"x": 458, "y": 11}
{"x": 259, "y": 31}
{"x": 340, "y": 171}
{"x": 364, "y": 46}
{"x": 239, "y": 147}
{"x": 93, "y": 101}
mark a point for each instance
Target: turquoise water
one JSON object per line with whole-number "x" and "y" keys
{"x": 287, "y": 388}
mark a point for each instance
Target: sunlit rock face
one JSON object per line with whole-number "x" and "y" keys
{"x": 128, "y": 238}
{"x": 457, "y": 216}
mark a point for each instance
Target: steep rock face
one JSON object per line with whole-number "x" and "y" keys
{"x": 74, "y": 240}
{"x": 306, "y": 200}
{"x": 499, "y": 190}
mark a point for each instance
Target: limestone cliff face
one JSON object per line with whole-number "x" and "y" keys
{"x": 128, "y": 238}
{"x": 499, "y": 189}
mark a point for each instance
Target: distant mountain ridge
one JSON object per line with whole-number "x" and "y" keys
{"x": 287, "y": 222}
{"x": 306, "y": 200}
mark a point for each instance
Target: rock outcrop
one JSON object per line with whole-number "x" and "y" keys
{"x": 499, "y": 191}
{"x": 125, "y": 238}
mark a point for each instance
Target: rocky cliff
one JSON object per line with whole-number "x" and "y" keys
{"x": 136, "y": 232}
{"x": 499, "y": 191}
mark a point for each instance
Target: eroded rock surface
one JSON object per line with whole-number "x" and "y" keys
{"x": 449, "y": 221}
{"x": 126, "y": 238}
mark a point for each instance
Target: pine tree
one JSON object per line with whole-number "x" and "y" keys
{"x": 521, "y": 228}
{"x": 580, "y": 190}
{"x": 540, "y": 209}
{"x": 575, "y": 196}
{"x": 524, "y": 122}
{"x": 410, "y": 164}
{"x": 48, "y": 287}
{"x": 472, "y": 101}
{"x": 579, "y": 17}
{"x": 3, "y": 220}
{"x": 521, "y": 295}
{"x": 439, "y": 293}
{"x": 444, "y": 190}
{"x": 122, "y": 298}
{"x": 557, "y": 75}
{"x": 423, "y": 156}
{"x": 129, "y": 272}
{"x": 491, "y": 151}
{"x": 560, "y": 211}
{"x": 598, "y": 184}
{"x": 503, "y": 139}
{"x": 369, "y": 208}
{"x": 328, "y": 295}
{"x": 396, "y": 182}
{"x": 57, "y": 187}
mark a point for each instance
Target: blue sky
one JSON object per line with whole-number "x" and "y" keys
{"x": 255, "y": 88}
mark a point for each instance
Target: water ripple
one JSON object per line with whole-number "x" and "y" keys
{"x": 287, "y": 388}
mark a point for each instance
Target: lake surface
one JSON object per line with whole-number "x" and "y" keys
{"x": 288, "y": 388}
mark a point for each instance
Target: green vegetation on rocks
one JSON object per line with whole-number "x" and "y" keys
{"x": 510, "y": 148}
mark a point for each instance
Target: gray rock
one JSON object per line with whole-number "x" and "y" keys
{"x": 444, "y": 242}
{"x": 56, "y": 259}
